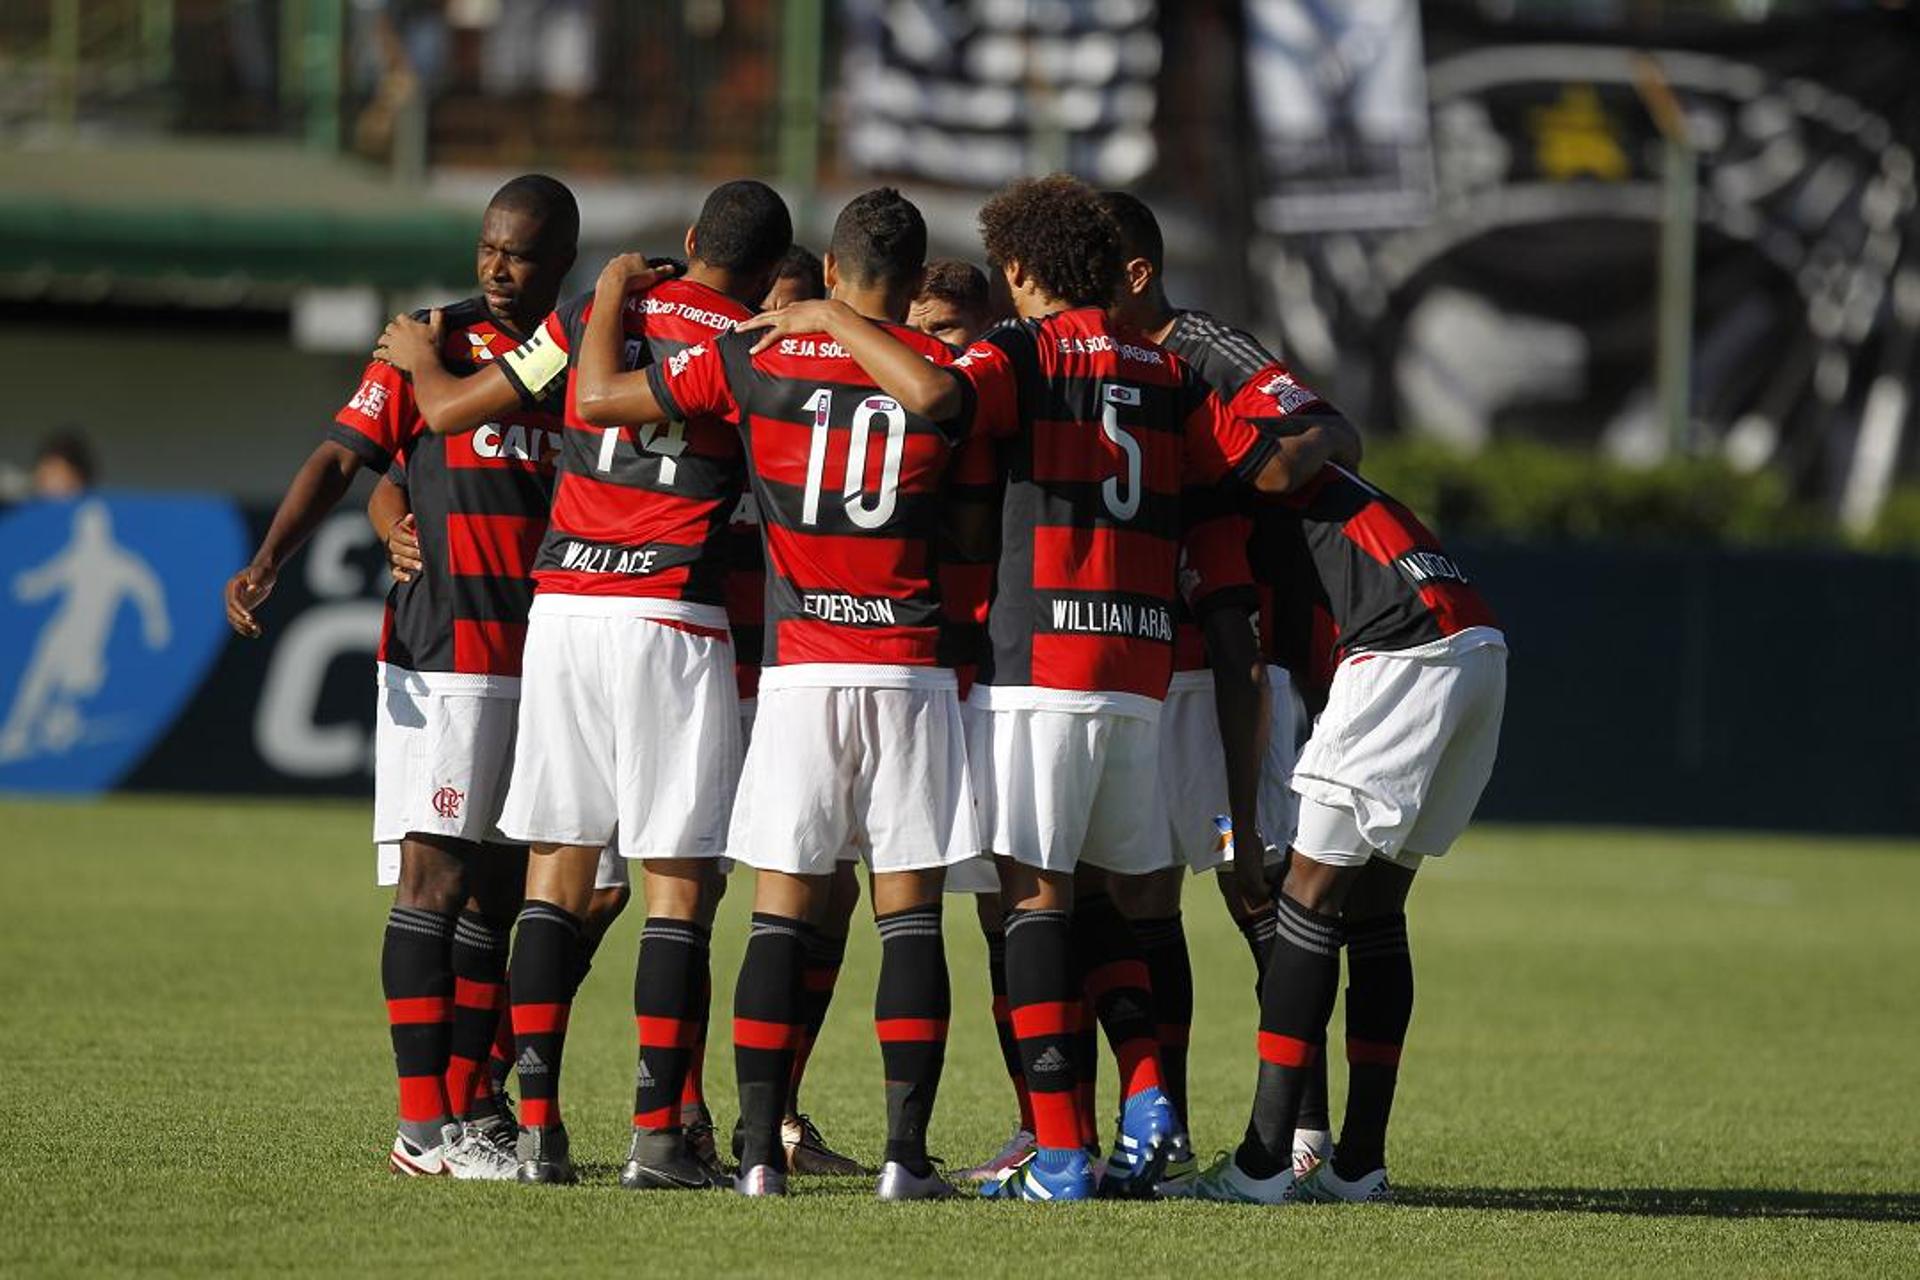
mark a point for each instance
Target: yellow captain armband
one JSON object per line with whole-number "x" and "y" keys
{"x": 536, "y": 366}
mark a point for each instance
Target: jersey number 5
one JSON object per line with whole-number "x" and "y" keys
{"x": 1122, "y": 497}
{"x": 864, "y": 512}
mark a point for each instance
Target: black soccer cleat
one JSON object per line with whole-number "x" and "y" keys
{"x": 663, "y": 1162}
{"x": 543, "y": 1155}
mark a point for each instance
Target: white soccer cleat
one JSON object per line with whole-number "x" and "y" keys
{"x": 1226, "y": 1183}
{"x": 1017, "y": 1148}
{"x": 1311, "y": 1148}
{"x": 761, "y": 1180}
{"x": 1324, "y": 1186}
{"x": 469, "y": 1156}
{"x": 897, "y": 1182}
{"x": 411, "y": 1160}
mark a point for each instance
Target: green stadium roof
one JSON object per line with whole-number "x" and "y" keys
{"x": 215, "y": 223}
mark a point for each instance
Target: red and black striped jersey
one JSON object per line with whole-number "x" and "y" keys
{"x": 480, "y": 500}
{"x": 638, "y": 511}
{"x": 1348, "y": 568}
{"x": 1105, "y": 430}
{"x": 847, "y": 487}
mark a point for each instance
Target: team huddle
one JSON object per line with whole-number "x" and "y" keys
{"x": 803, "y": 563}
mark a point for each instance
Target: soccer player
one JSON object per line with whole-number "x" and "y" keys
{"x": 858, "y": 742}
{"x": 1226, "y": 675}
{"x": 630, "y": 718}
{"x": 449, "y": 675}
{"x": 1389, "y": 778}
{"x": 1105, "y": 431}
{"x": 798, "y": 278}
{"x": 953, "y": 304}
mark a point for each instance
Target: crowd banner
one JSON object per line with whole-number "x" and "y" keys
{"x": 980, "y": 92}
{"x": 1523, "y": 301}
{"x": 1673, "y": 686}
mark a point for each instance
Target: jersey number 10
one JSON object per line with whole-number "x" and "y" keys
{"x": 865, "y": 512}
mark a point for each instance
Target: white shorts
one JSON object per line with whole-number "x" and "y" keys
{"x": 1059, "y": 787}
{"x": 629, "y": 734}
{"x": 1193, "y": 768}
{"x": 441, "y": 760}
{"x": 838, "y": 770}
{"x": 1402, "y": 752}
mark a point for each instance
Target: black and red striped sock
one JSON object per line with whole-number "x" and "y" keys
{"x": 910, "y": 1012}
{"x": 693, "y": 1091}
{"x": 1379, "y": 1007}
{"x": 666, "y": 982}
{"x": 541, "y": 981}
{"x": 1119, "y": 989}
{"x": 767, "y": 1027}
{"x": 1046, "y": 1006}
{"x": 480, "y": 950}
{"x": 818, "y": 977}
{"x": 1086, "y": 1071}
{"x": 500, "y": 1060}
{"x": 416, "y": 973}
{"x": 1296, "y": 999}
{"x": 1003, "y": 1025}
{"x": 1163, "y": 942}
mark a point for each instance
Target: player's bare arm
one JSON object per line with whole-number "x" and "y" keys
{"x": 449, "y": 404}
{"x": 317, "y": 487}
{"x": 1241, "y": 701}
{"x": 1308, "y": 444}
{"x": 896, "y": 368}
{"x": 392, "y": 519}
{"x": 603, "y": 394}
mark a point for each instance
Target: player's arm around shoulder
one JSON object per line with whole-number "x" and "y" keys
{"x": 604, "y": 395}
{"x": 448, "y": 403}
{"x": 905, "y": 374}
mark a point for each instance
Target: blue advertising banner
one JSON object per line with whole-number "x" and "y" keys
{"x": 113, "y": 618}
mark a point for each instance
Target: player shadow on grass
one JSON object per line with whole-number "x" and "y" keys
{"x": 1675, "y": 1202}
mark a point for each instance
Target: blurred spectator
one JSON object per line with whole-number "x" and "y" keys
{"x": 64, "y": 466}
{"x": 541, "y": 44}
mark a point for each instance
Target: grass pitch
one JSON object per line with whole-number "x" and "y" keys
{"x": 1633, "y": 1051}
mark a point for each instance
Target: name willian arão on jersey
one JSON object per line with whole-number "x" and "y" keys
{"x": 1113, "y": 618}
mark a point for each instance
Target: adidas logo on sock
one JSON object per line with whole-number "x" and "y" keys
{"x": 1125, "y": 1008}
{"x": 643, "y": 1078}
{"x": 530, "y": 1063}
{"x": 1050, "y": 1061}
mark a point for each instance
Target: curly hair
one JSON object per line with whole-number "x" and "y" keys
{"x": 1059, "y": 231}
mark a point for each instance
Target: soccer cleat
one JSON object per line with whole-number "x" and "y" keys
{"x": 1180, "y": 1169}
{"x": 1311, "y": 1147}
{"x": 471, "y": 1157}
{"x": 1227, "y": 1183}
{"x": 1324, "y": 1186}
{"x": 698, "y": 1125}
{"x": 761, "y": 1180}
{"x": 1012, "y": 1153}
{"x": 897, "y": 1182}
{"x": 498, "y": 1129}
{"x": 543, "y": 1155}
{"x": 1147, "y": 1130}
{"x": 808, "y": 1152}
{"x": 411, "y": 1160}
{"x": 1045, "y": 1174}
{"x": 663, "y": 1162}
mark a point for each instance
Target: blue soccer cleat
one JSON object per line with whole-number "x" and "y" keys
{"x": 1049, "y": 1173}
{"x": 1149, "y": 1132}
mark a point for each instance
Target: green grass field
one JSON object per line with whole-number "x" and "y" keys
{"x": 1632, "y": 1051}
